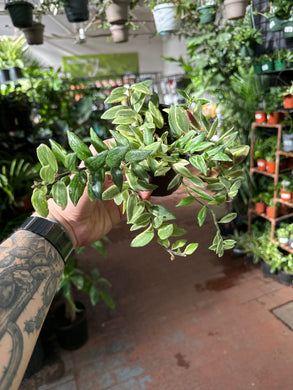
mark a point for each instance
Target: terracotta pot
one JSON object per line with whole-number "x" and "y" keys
{"x": 271, "y": 166}
{"x": 259, "y": 207}
{"x": 260, "y": 117}
{"x": 275, "y": 117}
{"x": 270, "y": 212}
{"x": 288, "y": 101}
{"x": 285, "y": 195}
{"x": 261, "y": 164}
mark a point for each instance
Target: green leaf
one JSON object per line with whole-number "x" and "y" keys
{"x": 186, "y": 201}
{"x": 142, "y": 88}
{"x": 228, "y": 218}
{"x": 234, "y": 189}
{"x": 137, "y": 155}
{"x": 131, "y": 204}
{"x": 161, "y": 211}
{"x": 117, "y": 177}
{"x": 96, "y": 180}
{"x": 190, "y": 248}
{"x": 179, "y": 244}
{"x": 142, "y": 239}
{"x": 175, "y": 182}
{"x": 59, "y": 194}
{"x": 142, "y": 220}
{"x": 94, "y": 163}
{"x": 165, "y": 231}
{"x": 116, "y": 155}
{"x": 39, "y": 202}
{"x": 119, "y": 138}
{"x": 75, "y": 189}
{"x": 147, "y": 136}
{"x": 80, "y": 148}
{"x": 47, "y": 157}
{"x": 199, "y": 162}
{"x": 112, "y": 112}
{"x": 47, "y": 174}
{"x": 202, "y": 194}
{"x": 201, "y": 146}
{"x": 117, "y": 95}
{"x": 178, "y": 121}
{"x": 157, "y": 222}
{"x": 156, "y": 115}
{"x": 177, "y": 232}
{"x": 139, "y": 171}
{"x": 70, "y": 162}
{"x": 98, "y": 144}
{"x": 221, "y": 157}
{"x": 179, "y": 168}
{"x": 110, "y": 193}
{"x": 58, "y": 150}
{"x": 202, "y": 215}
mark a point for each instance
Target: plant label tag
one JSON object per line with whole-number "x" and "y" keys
{"x": 288, "y": 29}
{"x": 265, "y": 67}
{"x": 272, "y": 24}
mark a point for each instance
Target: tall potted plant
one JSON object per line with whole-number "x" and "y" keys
{"x": 146, "y": 147}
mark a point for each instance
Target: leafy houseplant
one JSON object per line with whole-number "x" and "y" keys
{"x": 147, "y": 147}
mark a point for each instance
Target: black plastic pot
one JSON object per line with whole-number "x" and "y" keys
{"x": 162, "y": 182}
{"x": 21, "y": 13}
{"x": 266, "y": 269}
{"x": 35, "y": 34}
{"x": 285, "y": 278}
{"x": 71, "y": 336}
{"x": 76, "y": 10}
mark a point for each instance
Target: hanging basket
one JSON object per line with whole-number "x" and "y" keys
{"x": 76, "y": 10}
{"x": 119, "y": 33}
{"x": 34, "y": 35}
{"x": 207, "y": 14}
{"x": 165, "y": 18}
{"x": 117, "y": 12}
{"x": 235, "y": 9}
{"x": 21, "y": 13}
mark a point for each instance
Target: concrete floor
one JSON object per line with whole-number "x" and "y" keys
{"x": 199, "y": 323}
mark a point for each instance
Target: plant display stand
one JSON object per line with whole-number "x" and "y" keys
{"x": 275, "y": 176}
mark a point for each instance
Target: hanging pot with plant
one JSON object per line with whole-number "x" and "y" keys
{"x": 166, "y": 19}
{"x": 21, "y": 13}
{"x": 35, "y": 34}
{"x": 76, "y": 10}
{"x": 117, "y": 11}
{"x": 235, "y": 9}
{"x": 207, "y": 11}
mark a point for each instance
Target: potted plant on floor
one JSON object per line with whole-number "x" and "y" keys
{"x": 270, "y": 255}
{"x": 283, "y": 234}
{"x": 286, "y": 270}
{"x": 70, "y": 315}
{"x": 145, "y": 148}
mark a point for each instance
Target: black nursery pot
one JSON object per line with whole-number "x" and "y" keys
{"x": 162, "y": 182}
{"x": 75, "y": 335}
{"x": 21, "y": 13}
{"x": 266, "y": 269}
{"x": 285, "y": 278}
{"x": 76, "y": 10}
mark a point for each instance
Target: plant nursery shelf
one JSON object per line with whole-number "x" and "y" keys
{"x": 280, "y": 218}
{"x": 285, "y": 202}
{"x": 286, "y": 154}
{"x": 286, "y": 248}
{"x": 256, "y": 170}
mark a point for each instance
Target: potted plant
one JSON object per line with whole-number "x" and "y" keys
{"x": 20, "y": 12}
{"x": 288, "y": 97}
{"x": 265, "y": 63}
{"x": 286, "y": 188}
{"x": 235, "y": 9}
{"x": 283, "y": 234}
{"x": 273, "y": 103}
{"x": 270, "y": 255}
{"x": 35, "y": 34}
{"x": 287, "y": 134}
{"x": 145, "y": 148}
{"x": 270, "y": 148}
{"x": 259, "y": 204}
{"x": 166, "y": 16}
{"x": 259, "y": 153}
{"x": 70, "y": 315}
{"x": 286, "y": 272}
{"x": 207, "y": 11}
{"x": 282, "y": 58}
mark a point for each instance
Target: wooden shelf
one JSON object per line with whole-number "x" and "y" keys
{"x": 256, "y": 170}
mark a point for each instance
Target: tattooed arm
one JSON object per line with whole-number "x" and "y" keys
{"x": 30, "y": 270}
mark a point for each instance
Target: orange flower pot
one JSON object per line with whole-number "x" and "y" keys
{"x": 259, "y": 207}
{"x": 275, "y": 117}
{"x": 288, "y": 101}
{"x": 260, "y": 116}
{"x": 271, "y": 166}
{"x": 261, "y": 164}
{"x": 270, "y": 212}
{"x": 285, "y": 195}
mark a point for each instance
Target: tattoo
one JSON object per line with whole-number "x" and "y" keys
{"x": 28, "y": 265}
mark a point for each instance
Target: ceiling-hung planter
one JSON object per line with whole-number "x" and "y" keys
{"x": 21, "y": 13}
{"x": 207, "y": 11}
{"x": 34, "y": 35}
{"x": 119, "y": 33}
{"x": 235, "y": 9}
{"x": 117, "y": 11}
{"x": 165, "y": 18}
{"x": 76, "y": 10}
